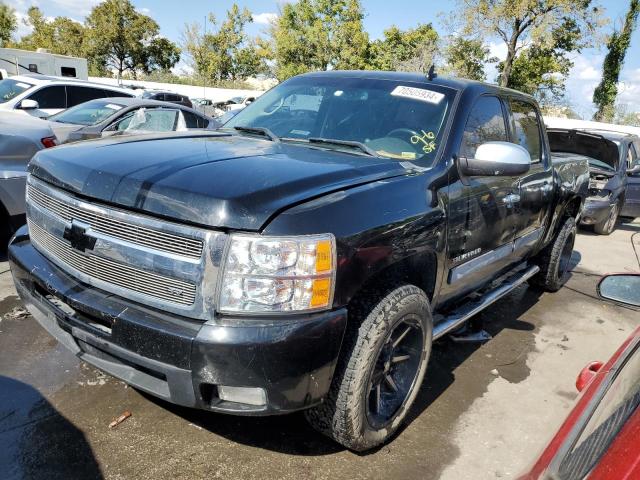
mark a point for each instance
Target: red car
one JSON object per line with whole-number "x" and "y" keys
{"x": 600, "y": 439}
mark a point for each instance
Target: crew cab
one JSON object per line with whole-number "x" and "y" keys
{"x": 305, "y": 256}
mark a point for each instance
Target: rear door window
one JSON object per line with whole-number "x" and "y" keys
{"x": 77, "y": 95}
{"x": 525, "y": 126}
{"x": 50, "y": 97}
{"x": 485, "y": 124}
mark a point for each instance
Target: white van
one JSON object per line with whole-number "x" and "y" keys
{"x": 19, "y": 62}
{"x": 42, "y": 96}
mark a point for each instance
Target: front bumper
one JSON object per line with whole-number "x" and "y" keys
{"x": 595, "y": 211}
{"x": 178, "y": 359}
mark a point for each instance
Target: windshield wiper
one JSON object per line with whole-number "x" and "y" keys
{"x": 265, "y": 132}
{"x": 344, "y": 143}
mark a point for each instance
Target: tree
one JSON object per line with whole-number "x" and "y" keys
{"x": 405, "y": 50}
{"x": 317, "y": 35}
{"x": 541, "y": 68}
{"x": 8, "y": 23}
{"x": 226, "y": 52}
{"x": 119, "y": 37}
{"x": 60, "y": 35}
{"x": 605, "y": 93}
{"x": 466, "y": 58}
{"x": 519, "y": 23}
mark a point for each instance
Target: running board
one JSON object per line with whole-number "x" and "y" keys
{"x": 457, "y": 318}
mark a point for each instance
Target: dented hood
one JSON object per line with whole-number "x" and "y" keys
{"x": 213, "y": 180}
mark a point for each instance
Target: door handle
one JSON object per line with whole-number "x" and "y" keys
{"x": 511, "y": 198}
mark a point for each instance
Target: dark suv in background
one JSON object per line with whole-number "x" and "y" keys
{"x": 167, "y": 97}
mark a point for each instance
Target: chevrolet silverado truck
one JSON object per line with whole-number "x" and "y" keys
{"x": 305, "y": 256}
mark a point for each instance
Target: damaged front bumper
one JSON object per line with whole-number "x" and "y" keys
{"x": 180, "y": 360}
{"x": 596, "y": 210}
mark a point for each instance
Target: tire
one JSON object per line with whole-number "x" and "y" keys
{"x": 6, "y": 230}
{"x": 555, "y": 259}
{"x": 362, "y": 410}
{"x": 608, "y": 225}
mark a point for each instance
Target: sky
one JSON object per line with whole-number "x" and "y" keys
{"x": 380, "y": 14}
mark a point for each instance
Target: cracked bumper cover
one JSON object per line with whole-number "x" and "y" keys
{"x": 178, "y": 359}
{"x": 595, "y": 211}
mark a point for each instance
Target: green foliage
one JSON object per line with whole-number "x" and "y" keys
{"x": 119, "y": 37}
{"x": 225, "y": 53}
{"x": 60, "y": 35}
{"x": 8, "y": 24}
{"x": 466, "y": 58}
{"x": 606, "y": 92}
{"x": 318, "y": 34}
{"x": 532, "y": 22}
{"x": 405, "y": 50}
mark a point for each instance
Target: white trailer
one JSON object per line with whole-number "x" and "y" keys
{"x": 18, "y": 62}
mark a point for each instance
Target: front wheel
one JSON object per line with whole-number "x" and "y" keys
{"x": 608, "y": 225}
{"x": 555, "y": 260}
{"x": 380, "y": 371}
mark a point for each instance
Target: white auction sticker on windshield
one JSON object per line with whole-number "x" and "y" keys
{"x": 22, "y": 85}
{"x": 113, "y": 106}
{"x": 421, "y": 94}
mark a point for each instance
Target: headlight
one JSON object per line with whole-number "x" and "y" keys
{"x": 278, "y": 274}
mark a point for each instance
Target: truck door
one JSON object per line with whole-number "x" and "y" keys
{"x": 532, "y": 206}
{"x": 480, "y": 224}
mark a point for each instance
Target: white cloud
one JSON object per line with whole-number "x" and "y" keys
{"x": 264, "y": 18}
{"x": 144, "y": 10}
{"x": 77, "y": 7}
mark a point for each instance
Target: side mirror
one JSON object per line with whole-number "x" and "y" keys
{"x": 586, "y": 375}
{"x": 497, "y": 159}
{"x": 27, "y": 104}
{"x": 633, "y": 170}
{"x": 621, "y": 288}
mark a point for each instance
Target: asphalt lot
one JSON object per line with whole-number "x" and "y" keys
{"x": 485, "y": 411}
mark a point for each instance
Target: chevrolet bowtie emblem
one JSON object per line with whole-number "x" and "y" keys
{"x": 78, "y": 237}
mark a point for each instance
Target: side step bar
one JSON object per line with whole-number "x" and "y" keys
{"x": 468, "y": 310}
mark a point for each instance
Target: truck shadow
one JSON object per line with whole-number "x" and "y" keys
{"x": 36, "y": 441}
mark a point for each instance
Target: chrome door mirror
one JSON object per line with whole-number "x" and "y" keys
{"x": 634, "y": 170}
{"x": 28, "y": 104}
{"x": 497, "y": 159}
{"x": 621, "y": 288}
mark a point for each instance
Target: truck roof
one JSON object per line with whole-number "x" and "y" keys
{"x": 443, "y": 80}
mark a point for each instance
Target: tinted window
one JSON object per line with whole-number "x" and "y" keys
{"x": 526, "y": 128}
{"x": 10, "y": 88}
{"x": 50, "y": 97}
{"x": 485, "y": 124}
{"x": 68, "y": 71}
{"x": 194, "y": 121}
{"x": 610, "y": 415}
{"x": 78, "y": 95}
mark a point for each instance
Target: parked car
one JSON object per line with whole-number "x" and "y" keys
{"x": 226, "y": 116}
{"x": 208, "y": 107}
{"x": 42, "y": 96}
{"x": 613, "y": 158}
{"x": 170, "y": 97}
{"x": 20, "y": 138}
{"x": 599, "y": 438}
{"x": 306, "y": 256}
{"x": 238, "y": 103}
{"x": 108, "y": 116}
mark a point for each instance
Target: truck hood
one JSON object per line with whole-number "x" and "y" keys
{"x": 212, "y": 180}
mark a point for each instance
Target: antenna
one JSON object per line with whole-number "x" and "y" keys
{"x": 432, "y": 72}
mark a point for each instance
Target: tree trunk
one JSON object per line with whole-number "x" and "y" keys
{"x": 508, "y": 62}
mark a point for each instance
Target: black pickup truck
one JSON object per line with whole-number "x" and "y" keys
{"x": 307, "y": 255}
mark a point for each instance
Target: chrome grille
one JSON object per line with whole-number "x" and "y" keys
{"x": 112, "y": 227}
{"x": 125, "y": 276}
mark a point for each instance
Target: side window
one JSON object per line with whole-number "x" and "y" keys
{"x": 525, "y": 125}
{"x": 194, "y": 121}
{"x": 632, "y": 157}
{"x": 50, "y": 97}
{"x": 158, "y": 96}
{"x": 150, "y": 120}
{"x": 78, "y": 95}
{"x": 485, "y": 124}
{"x": 67, "y": 71}
{"x": 113, "y": 93}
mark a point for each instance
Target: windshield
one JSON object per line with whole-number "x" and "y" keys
{"x": 394, "y": 119}
{"x": 10, "y": 89}
{"x": 88, "y": 113}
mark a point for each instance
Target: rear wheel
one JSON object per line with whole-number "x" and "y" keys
{"x": 382, "y": 365}
{"x": 555, "y": 260}
{"x": 608, "y": 225}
